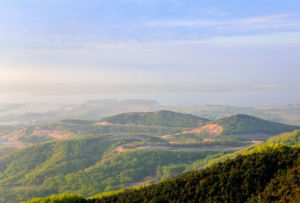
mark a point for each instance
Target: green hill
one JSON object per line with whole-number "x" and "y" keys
{"x": 240, "y": 180}
{"x": 159, "y": 118}
{"x": 130, "y": 149}
{"x": 290, "y": 139}
{"x": 258, "y": 168}
{"x": 86, "y": 165}
{"x": 270, "y": 174}
{"x": 175, "y": 128}
{"x": 286, "y": 181}
{"x": 243, "y": 124}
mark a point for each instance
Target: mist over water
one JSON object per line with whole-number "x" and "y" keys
{"x": 165, "y": 98}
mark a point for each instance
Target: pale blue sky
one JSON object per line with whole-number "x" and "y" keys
{"x": 207, "y": 43}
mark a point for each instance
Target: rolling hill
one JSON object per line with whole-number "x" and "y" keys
{"x": 87, "y": 165}
{"x": 268, "y": 174}
{"x": 256, "y": 176}
{"x": 243, "y": 124}
{"x": 290, "y": 139}
{"x": 112, "y": 157}
{"x": 235, "y": 129}
{"x": 173, "y": 129}
{"x": 159, "y": 118}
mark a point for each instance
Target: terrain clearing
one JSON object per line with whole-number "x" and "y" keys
{"x": 209, "y": 129}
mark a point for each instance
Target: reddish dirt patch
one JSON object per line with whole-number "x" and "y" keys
{"x": 11, "y": 140}
{"x": 104, "y": 123}
{"x": 209, "y": 129}
{"x": 14, "y": 136}
{"x": 123, "y": 149}
{"x": 212, "y": 129}
{"x": 167, "y": 136}
{"x": 208, "y": 140}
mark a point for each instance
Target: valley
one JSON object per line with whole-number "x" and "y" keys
{"x": 116, "y": 152}
{"x": 255, "y": 174}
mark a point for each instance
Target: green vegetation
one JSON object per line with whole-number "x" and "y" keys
{"x": 236, "y": 180}
{"x": 24, "y": 173}
{"x": 238, "y": 130}
{"x": 85, "y": 165}
{"x": 243, "y": 124}
{"x": 34, "y": 139}
{"x": 289, "y": 139}
{"x": 6, "y": 151}
{"x": 129, "y": 150}
{"x": 77, "y": 128}
{"x": 292, "y": 138}
{"x": 160, "y": 118}
{"x": 285, "y": 187}
{"x": 267, "y": 174}
{"x": 63, "y": 198}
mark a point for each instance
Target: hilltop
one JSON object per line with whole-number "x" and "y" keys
{"x": 172, "y": 128}
{"x": 243, "y": 124}
{"x": 235, "y": 129}
{"x": 159, "y": 118}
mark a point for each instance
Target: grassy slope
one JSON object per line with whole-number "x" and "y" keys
{"x": 243, "y": 124}
{"x": 240, "y": 127}
{"x": 291, "y": 138}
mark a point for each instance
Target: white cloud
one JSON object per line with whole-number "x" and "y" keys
{"x": 262, "y": 23}
{"x": 184, "y": 23}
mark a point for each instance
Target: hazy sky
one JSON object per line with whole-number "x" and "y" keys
{"x": 203, "y": 43}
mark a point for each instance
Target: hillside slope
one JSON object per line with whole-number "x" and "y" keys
{"x": 85, "y": 165}
{"x": 174, "y": 128}
{"x": 243, "y": 124}
{"x": 270, "y": 174}
{"x": 290, "y": 139}
{"x": 159, "y": 118}
{"x": 237, "y": 130}
{"x": 232, "y": 181}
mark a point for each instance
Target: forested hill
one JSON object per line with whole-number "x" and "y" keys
{"x": 159, "y": 118}
{"x": 89, "y": 165}
{"x": 289, "y": 139}
{"x": 270, "y": 174}
{"x": 245, "y": 178}
{"x": 243, "y": 124}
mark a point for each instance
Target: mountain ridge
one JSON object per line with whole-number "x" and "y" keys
{"x": 159, "y": 118}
